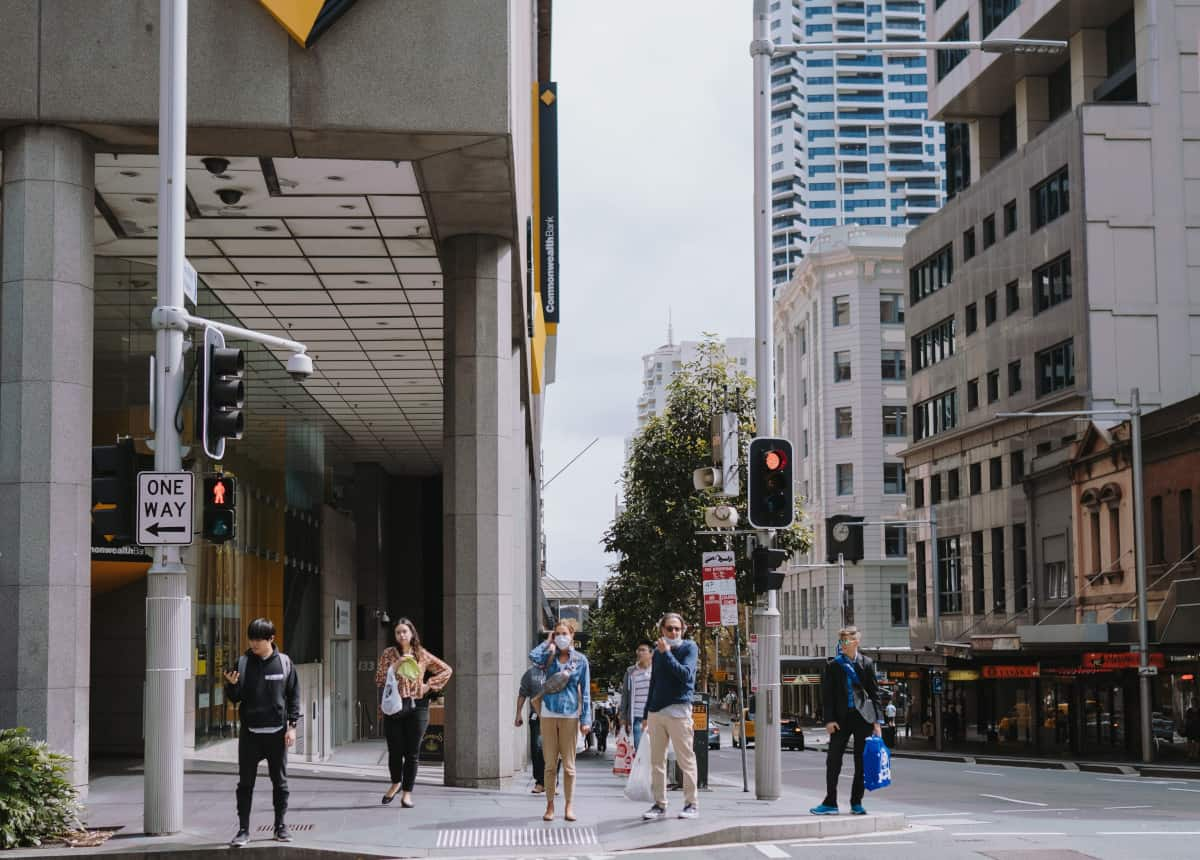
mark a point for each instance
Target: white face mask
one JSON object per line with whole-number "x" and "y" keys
{"x": 675, "y": 643}
{"x": 563, "y": 642}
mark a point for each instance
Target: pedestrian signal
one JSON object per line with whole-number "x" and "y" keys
{"x": 220, "y": 508}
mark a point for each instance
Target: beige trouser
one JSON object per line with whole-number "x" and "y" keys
{"x": 677, "y": 730}
{"x": 559, "y": 736}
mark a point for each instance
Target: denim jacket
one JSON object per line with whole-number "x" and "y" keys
{"x": 566, "y": 703}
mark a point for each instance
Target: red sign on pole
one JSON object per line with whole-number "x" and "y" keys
{"x": 719, "y": 574}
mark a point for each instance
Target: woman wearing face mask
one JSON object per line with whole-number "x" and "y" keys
{"x": 410, "y": 664}
{"x": 566, "y": 709}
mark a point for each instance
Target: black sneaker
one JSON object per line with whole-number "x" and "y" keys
{"x": 654, "y": 813}
{"x": 282, "y": 834}
{"x": 691, "y": 810}
{"x": 241, "y": 840}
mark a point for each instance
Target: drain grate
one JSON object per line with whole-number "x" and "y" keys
{"x": 295, "y": 828}
{"x": 517, "y": 837}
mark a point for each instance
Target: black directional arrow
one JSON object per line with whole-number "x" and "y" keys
{"x": 156, "y": 528}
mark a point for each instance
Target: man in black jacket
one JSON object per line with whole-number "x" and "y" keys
{"x": 850, "y": 697}
{"x": 266, "y": 685}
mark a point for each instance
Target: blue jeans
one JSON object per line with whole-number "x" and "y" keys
{"x": 637, "y": 733}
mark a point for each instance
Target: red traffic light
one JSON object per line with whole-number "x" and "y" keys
{"x": 775, "y": 460}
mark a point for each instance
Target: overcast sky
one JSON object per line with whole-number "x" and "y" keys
{"x": 655, "y": 173}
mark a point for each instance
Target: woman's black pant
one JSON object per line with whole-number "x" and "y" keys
{"x": 854, "y": 726}
{"x": 404, "y": 732}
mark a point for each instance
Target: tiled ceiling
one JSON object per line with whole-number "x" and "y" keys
{"x": 337, "y": 254}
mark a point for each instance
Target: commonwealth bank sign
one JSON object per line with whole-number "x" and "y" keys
{"x": 306, "y": 20}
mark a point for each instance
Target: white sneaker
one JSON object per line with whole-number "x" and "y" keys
{"x": 691, "y": 810}
{"x": 654, "y": 813}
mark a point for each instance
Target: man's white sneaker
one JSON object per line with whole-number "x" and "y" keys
{"x": 690, "y": 811}
{"x": 654, "y": 813}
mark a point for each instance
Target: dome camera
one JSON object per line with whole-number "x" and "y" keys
{"x": 300, "y": 367}
{"x": 215, "y": 166}
{"x": 229, "y": 196}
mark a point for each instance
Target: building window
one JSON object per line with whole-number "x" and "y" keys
{"x": 1157, "y": 542}
{"x": 848, "y": 605}
{"x": 919, "y": 493}
{"x": 947, "y": 60}
{"x": 922, "y": 580}
{"x": 934, "y": 344}
{"x": 1016, "y": 466}
{"x": 1114, "y": 537}
{"x": 899, "y": 604}
{"x": 999, "y": 597}
{"x": 803, "y": 392}
{"x": 989, "y": 231}
{"x": 1006, "y": 132}
{"x": 892, "y": 366}
{"x": 804, "y": 609}
{"x": 1186, "y": 533}
{"x": 972, "y": 394}
{"x": 952, "y": 487}
{"x": 1052, "y": 283}
{"x": 804, "y": 447}
{"x": 1020, "y": 577}
{"x": 1010, "y": 217}
{"x": 995, "y": 11}
{"x": 893, "y": 478}
{"x": 895, "y": 421}
{"x": 1058, "y": 584}
{"x": 841, "y": 311}
{"x": 968, "y": 244}
{"x": 1012, "y": 297}
{"x": 841, "y": 366}
{"x": 1014, "y": 377}
{"x": 993, "y": 386}
{"x": 1055, "y": 368}
{"x": 1058, "y": 87}
{"x": 1094, "y": 533}
{"x": 975, "y": 478}
{"x": 1121, "y": 84}
{"x": 989, "y": 308}
{"x": 935, "y": 415}
{"x": 977, "y": 575}
{"x": 1050, "y": 198}
{"x": 803, "y": 330}
{"x": 935, "y": 489}
{"x": 949, "y": 579}
{"x": 972, "y": 318}
{"x": 931, "y": 274}
{"x": 958, "y": 158}
{"x": 995, "y": 473}
{"x": 895, "y": 541}
{"x": 845, "y": 479}
{"x": 891, "y": 308}
{"x": 843, "y": 422}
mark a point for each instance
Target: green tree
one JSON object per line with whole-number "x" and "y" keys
{"x": 655, "y": 532}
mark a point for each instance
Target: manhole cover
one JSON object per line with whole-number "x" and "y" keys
{"x": 295, "y": 828}
{"x": 516, "y": 837}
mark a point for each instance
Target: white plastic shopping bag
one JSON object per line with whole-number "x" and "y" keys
{"x": 623, "y": 756}
{"x": 391, "y": 703}
{"x": 638, "y": 786}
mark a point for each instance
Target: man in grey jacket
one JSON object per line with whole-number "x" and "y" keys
{"x": 635, "y": 689}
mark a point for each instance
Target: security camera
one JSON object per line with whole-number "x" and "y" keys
{"x": 215, "y": 166}
{"x": 300, "y": 366}
{"x": 229, "y": 196}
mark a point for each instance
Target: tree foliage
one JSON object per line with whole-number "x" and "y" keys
{"x": 655, "y": 531}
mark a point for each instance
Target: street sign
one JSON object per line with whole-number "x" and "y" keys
{"x": 719, "y": 575}
{"x": 937, "y": 685}
{"x": 164, "y": 508}
{"x": 1148, "y": 671}
{"x": 189, "y": 282}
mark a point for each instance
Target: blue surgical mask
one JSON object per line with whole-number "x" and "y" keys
{"x": 675, "y": 643}
{"x": 563, "y": 642}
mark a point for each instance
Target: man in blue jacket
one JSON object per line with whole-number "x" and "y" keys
{"x": 668, "y": 715}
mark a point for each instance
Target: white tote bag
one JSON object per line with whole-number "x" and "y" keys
{"x": 638, "y": 786}
{"x": 392, "y": 702}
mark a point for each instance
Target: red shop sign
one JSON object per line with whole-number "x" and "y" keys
{"x": 1120, "y": 660}
{"x": 1006, "y": 672}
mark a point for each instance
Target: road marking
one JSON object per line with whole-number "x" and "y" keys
{"x": 983, "y": 772}
{"x": 1030, "y": 811}
{"x": 772, "y": 851}
{"x": 1149, "y": 833}
{"x": 1014, "y": 800}
{"x": 1147, "y": 806}
{"x": 937, "y": 814}
{"x": 949, "y": 822}
{"x": 849, "y": 844}
{"x": 1141, "y": 780}
{"x": 1193, "y": 790}
{"x": 1005, "y": 833}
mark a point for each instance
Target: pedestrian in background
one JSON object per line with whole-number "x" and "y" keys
{"x": 635, "y": 688}
{"x": 668, "y": 716}
{"x": 530, "y": 689}
{"x": 600, "y": 729}
{"x": 409, "y": 663}
{"x": 1191, "y": 731}
{"x": 851, "y": 698}
{"x": 566, "y": 710}
{"x": 266, "y": 685}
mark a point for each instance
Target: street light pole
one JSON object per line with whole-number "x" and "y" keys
{"x": 768, "y": 778}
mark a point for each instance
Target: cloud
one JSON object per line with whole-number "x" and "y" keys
{"x": 656, "y": 201}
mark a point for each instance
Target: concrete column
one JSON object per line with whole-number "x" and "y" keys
{"x": 46, "y": 311}
{"x": 1089, "y": 64}
{"x": 985, "y": 146}
{"x": 477, "y": 506}
{"x": 1033, "y": 108}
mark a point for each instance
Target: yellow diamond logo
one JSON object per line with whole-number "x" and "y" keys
{"x": 547, "y": 98}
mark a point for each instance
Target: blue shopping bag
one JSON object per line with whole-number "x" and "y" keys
{"x": 877, "y": 764}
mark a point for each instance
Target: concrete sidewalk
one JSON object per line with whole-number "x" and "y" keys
{"x": 335, "y": 811}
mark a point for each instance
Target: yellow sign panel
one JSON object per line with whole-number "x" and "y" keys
{"x": 699, "y": 717}
{"x": 962, "y": 675}
{"x": 306, "y": 20}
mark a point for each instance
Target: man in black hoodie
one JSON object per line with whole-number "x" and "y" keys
{"x": 266, "y": 685}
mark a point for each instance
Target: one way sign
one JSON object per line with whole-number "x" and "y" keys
{"x": 164, "y": 508}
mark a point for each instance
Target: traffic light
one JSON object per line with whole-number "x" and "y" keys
{"x": 220, "y": 371}
{"x": 770, "y": 501}
{"x": 220, "y": 507}
{"x": 114, "y": 491}
{"x": 765, "y": 563}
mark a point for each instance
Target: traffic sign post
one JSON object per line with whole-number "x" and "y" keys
{"x": 719, "y": 575}
{"x": 164, "y": 508}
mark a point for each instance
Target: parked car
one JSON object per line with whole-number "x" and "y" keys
{"x": 735, "y": 728}
{"x": 791, "y": 735}
{"x": 714, "y": 736}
